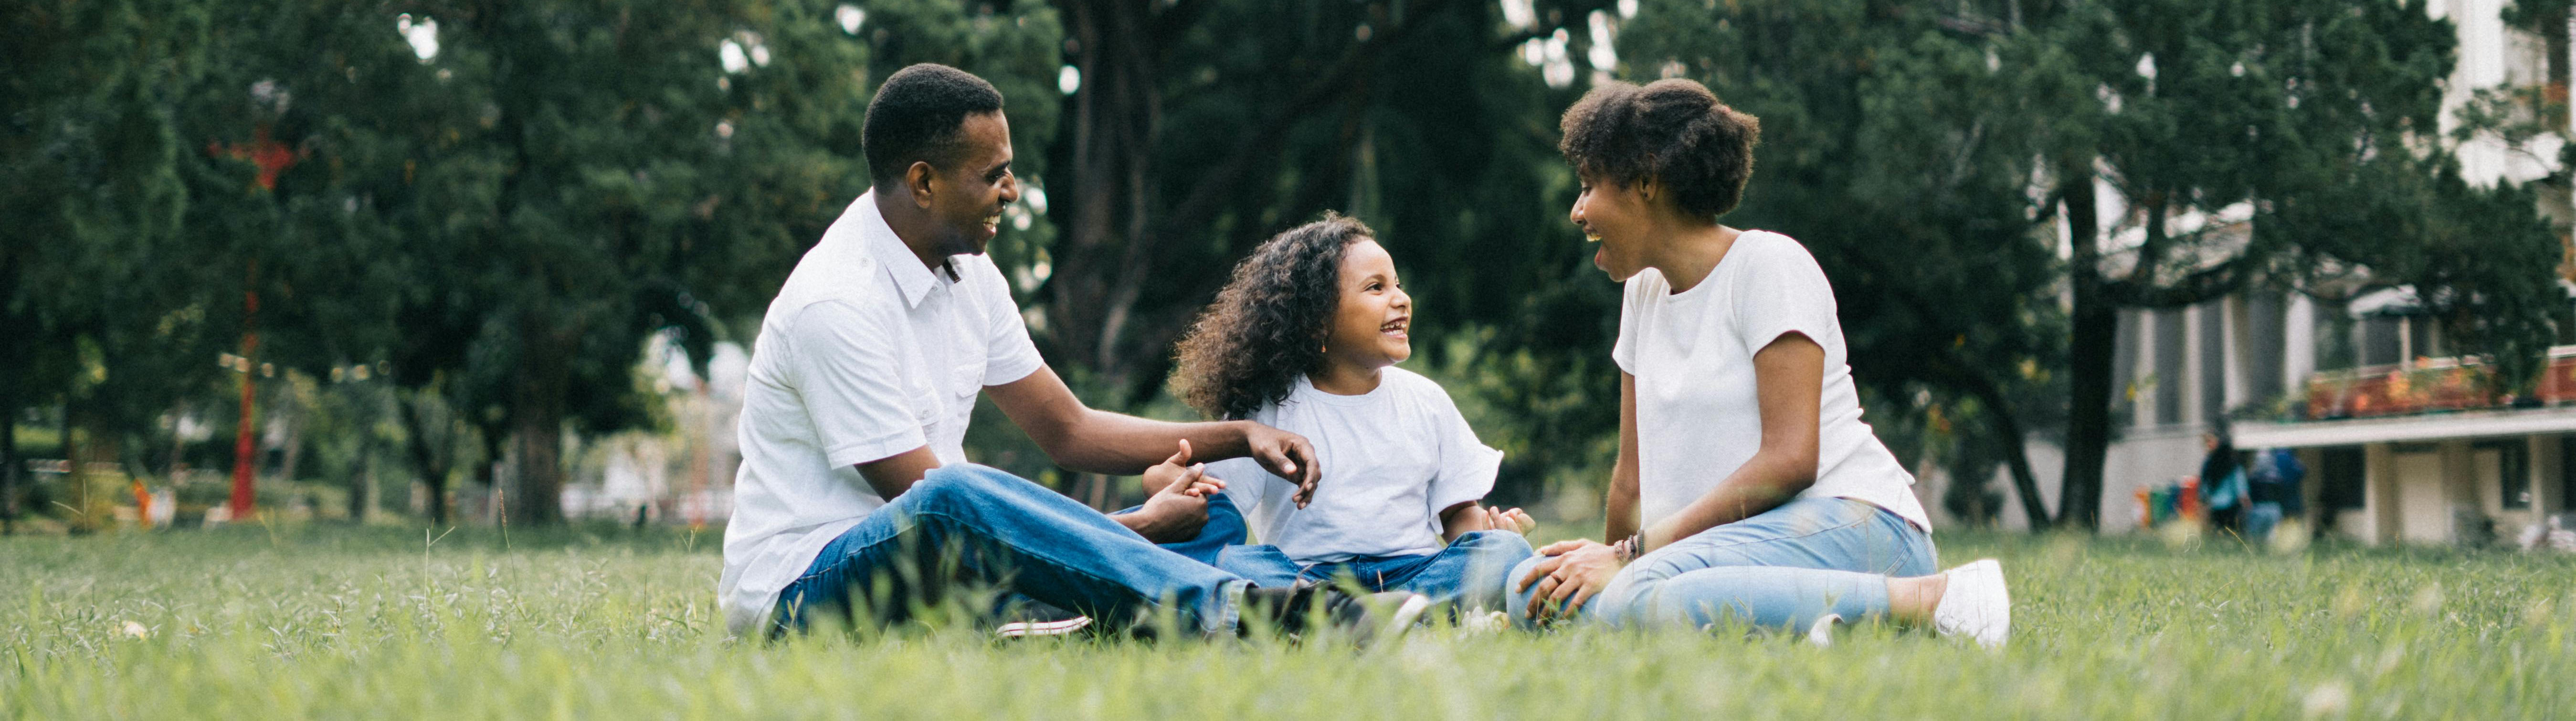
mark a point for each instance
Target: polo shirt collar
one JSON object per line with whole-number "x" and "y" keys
{"x": 911, "y": 279}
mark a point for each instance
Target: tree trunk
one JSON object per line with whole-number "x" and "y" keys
{"x": 2096, "y": 322}
{"x": 544, "y": 377}
{"x": 10, "y": 465}
{"x": 433, "y": 448}
{"x": 2007, "y": 428}
{"x": 1105, "y": 249}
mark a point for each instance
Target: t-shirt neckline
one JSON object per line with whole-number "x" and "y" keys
{"x": 1306, "y": 390}
{"x": 1723, "y": 262}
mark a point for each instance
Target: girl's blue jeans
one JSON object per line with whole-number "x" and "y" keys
{"x": 1466, "y": 573}
{"x": 1784, "y": 568}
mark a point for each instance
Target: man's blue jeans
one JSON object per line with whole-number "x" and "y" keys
{"x": 1466, "y": 573}
{"x": 1784, "y": 568}
{"x": 971, "y": 525}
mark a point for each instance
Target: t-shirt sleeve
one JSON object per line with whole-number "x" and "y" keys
{"x": 851, "y": 381}
{"x": 1467, "y": 465}
{"x": 1624, "y": 350}
{"x": 1009, "y": 354}
{"x": 1783, "y": 291}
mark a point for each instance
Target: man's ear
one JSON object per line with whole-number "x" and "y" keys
{"x": 918, "y": 177}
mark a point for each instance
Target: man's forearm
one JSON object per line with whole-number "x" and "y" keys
{"x": 1116, "y": 444}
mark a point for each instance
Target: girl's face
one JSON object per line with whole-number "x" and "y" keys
{"x": 1615, "y": 217}
{"x": 1370, "y": 328}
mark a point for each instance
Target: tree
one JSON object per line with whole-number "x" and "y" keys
{"x": 2312, "y": 120}
{"x": 97, "y": 294}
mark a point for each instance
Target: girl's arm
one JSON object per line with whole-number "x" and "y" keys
{"x": 1468, "y": 517}
{"x": 1788, "y": 376}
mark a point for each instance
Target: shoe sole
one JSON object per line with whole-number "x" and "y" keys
{"x": 1028, "y": 629}
{"x": 1405, "y": 617}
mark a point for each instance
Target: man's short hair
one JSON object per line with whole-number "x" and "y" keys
{"x": 919, "y": 115}
{"x": 1673, "y": 131}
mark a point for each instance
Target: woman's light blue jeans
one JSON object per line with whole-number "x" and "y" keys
{"x": 1784, "y": 568}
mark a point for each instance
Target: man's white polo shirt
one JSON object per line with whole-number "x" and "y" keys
{"x": 865, "y": 354}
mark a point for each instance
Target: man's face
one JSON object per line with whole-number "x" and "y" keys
{"x": 968, "y": 197}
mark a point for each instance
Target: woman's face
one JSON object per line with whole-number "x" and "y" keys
{"x": 1615, "y": 217}
{"x": 1371, "y": 327}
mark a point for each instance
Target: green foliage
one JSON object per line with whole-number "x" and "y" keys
{"x": 296, "y": 622}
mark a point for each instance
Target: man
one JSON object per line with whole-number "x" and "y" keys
{"x": 862, "y": 382}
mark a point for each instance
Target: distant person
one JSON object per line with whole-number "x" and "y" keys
{"x": 2275, "y": 491}
{"x": 1746, "y": 486}
{"x": 863, "y": 379}
{"x": 2222, "y": 482}
{"x": 1305, "y": 338}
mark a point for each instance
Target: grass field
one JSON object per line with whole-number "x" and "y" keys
{"x": 343, "y": 623}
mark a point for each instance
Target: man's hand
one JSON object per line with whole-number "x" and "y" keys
{"x": 1178, "y": 508}
{"x": 1573, "y": 573}
{"x": 1286, "y": 455}
{"x": 1466, "y": 518}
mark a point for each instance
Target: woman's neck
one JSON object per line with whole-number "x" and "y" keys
{"x": 1346, "y": 379}
{"x": 1691, "y": 252}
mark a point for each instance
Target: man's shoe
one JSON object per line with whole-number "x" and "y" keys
{"x": 1030, "y": 629}
{"x": 1367, "y": 620}
{"x": 1975, "y": 604}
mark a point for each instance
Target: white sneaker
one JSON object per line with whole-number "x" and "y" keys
{"x": 1975, "y": 604}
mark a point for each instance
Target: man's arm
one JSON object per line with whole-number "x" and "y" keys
{"x": 892, "y": 475}
{"x": 1081, "y": 438}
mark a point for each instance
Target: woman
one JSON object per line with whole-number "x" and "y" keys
{"x": 1747, "y": 486}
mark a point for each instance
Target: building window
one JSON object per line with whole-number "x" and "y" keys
{"x": 2169, "y": 366}
{"x": 2334, "y": 346}
{"x": 2381, "y": 343}
{"x": 2213, "y": 360}
{"x": 2124, "y": 369}
{"x": 2513, "y": 472}
{"x": 2267, "y": 319}
{"x": 2340, "y": 483}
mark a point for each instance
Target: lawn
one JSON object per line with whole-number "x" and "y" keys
{"x": 336, "y": 622}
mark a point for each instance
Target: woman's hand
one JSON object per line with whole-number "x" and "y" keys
{"x": 1572, "y": 573}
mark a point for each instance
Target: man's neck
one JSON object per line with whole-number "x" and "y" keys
{"x": 911, "y": 225}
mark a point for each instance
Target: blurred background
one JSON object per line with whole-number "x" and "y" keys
{"x": 476, "y": 262}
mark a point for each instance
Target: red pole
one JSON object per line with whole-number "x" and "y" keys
{"x": 243, "y": 448}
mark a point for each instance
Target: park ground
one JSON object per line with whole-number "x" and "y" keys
{"x": 611, "y": 623}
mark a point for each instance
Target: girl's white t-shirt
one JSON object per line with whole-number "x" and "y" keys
{"x": 1698, "y": 414}
{"x": 1393, "y": 458}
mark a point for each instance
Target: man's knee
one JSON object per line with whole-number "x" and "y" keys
{"x": 950, "y": 486}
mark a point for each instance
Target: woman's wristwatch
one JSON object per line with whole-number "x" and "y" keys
{"x": 1627, "y": 549}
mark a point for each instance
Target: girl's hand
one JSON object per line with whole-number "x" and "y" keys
{"x": 1572, "y": 573}
{"x": 1177, "y": 469}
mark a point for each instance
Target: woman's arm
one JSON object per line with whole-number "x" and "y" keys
{"x": 1622, "y": 498}
{"x": 1789, "y": 377}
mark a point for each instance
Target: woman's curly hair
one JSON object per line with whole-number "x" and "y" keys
{"x": 1673, "y": 131}
{"x": 1268, "y": 325}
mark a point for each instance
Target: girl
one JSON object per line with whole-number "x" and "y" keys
{"x": 1304, "y": 338}
{"x": 1747, "y": 485}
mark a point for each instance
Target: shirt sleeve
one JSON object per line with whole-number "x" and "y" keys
{"x": 1467, "y": 465}
{"x": 1624, "y": 350}
{"x": 1009, "y": 355}
{"x": 1782, "y": 292}
{"x": 851, "y": 381}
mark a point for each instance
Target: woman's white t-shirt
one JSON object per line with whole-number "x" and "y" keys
{"x": 1393, "y": 458}
{"x": 1698, "y": 414}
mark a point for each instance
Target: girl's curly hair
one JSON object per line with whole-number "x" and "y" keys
{"x": 1268, "y": 325}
